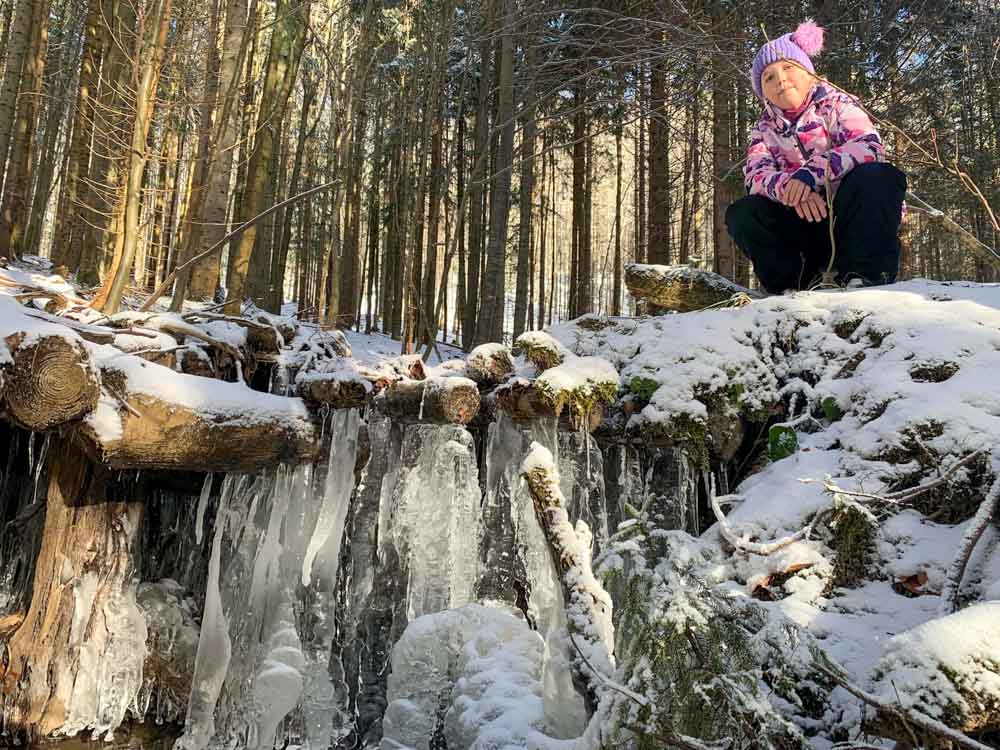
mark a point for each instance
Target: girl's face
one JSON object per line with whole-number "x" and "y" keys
{"x": 785, "y": 84}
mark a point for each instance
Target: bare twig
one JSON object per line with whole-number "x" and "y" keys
{"x": 956, "y": 571}
{"x": 756, "y": 548}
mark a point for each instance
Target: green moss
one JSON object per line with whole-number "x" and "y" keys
{"x": 781, "y": 442}
{"x": 854, "y": 533}
{"x": 580, "y": 401}
{"x": 542, "y": 357}
{"x": 683, "y": 431}
{"x": 846, "y": 326}
{"x": 643, "y": 388}
{"x": 877, "y": 335}
{"x": 594, "y": 323}
{"x": 831, "y": 409}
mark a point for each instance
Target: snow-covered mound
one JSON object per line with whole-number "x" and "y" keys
{"x": 852, "y": 535}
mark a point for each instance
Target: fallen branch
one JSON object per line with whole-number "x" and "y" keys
{"x": 588, "y": 606}
{"x": 161, "y": 290}
{"x": 746, "y": 545}
{"x": 923, "y": 722}
{"x": 956, "y": 571}
{"x": 902, "y": 496}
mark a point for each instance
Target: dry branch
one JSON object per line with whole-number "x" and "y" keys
{"x": 956, "y": 571}
{"x": 907, "y": 717}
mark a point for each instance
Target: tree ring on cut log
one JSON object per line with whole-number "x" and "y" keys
{"x": 50, "y": 382}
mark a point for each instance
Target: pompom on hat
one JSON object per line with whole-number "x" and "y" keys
{"x": 803, "y": 43}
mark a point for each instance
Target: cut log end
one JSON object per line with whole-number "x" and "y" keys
{"x": 51, "y": 382}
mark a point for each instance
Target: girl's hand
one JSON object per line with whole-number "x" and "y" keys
{"x": 812, "y": 207}
{"x": 795, "y": 191}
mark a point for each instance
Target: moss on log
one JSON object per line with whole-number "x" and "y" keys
{"x": 332, "y": 390}
{"x": 679, "y": 288}
{"x": 489, "y": 365}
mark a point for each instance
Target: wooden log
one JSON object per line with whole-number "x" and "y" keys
{"x": 82, "y": 605}
{"x": 50, "y": 382}
{"x": 207, "y": 425}
{"x": 435, "y": 400}
{"x": 522, "y": 400}
{"x": 489, "y": 365}
{"x": 332, "y": 390}
{"x": 680, "y": 288}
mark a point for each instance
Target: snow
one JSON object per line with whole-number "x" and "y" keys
{"x": 800, "y": 349}
{"x": 581, "y": 375}
{"x": 222, "y": 402}
{"x": 950, "y": 664}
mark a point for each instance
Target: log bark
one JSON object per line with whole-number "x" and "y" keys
{"x": 680, "y": 288}
{"x": 80, "y": 606}
{"x": 489, "y": 365}
{"x": 132, "y": 429}
{"x": 50, "y": 382}
{"x": 332, "y": 391}
{"x": 435, "y": 400}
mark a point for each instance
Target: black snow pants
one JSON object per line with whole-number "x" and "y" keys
{"x": 791, "y": 253}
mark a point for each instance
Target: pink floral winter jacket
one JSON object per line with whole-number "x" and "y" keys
{"x": 830, "y": 137}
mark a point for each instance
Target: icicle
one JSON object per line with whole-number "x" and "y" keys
{"x": 206, "y": 489}
{"x": 336, "y": 493}
{"x": 214, "y": 646}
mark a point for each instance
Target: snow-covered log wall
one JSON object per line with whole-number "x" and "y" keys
{"x": 764, "y": 525}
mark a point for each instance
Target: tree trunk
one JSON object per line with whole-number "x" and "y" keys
{"x": 88, "y": 541}
{"x": 287, "y": 42}
{"x": 578, "y": 276}
{"x": 722, "y": 192}
{"x": 108, "y": 298}
{"x": 70, "y": 224}
{"x": 659, "y": 178}
{"x": 110, "y": 128}
{"x": 193, "y": 225}
{"x": 17, "y": 186}
{"x": 616, "y": 300}
{"x": 491, "y": 318}
{"x": 281, "y": 256}
{"x": 480, "y": 138}
{"x": 65, "y": 51}
{"x": 205, "y": 275}
{"x": 521, "y": 297}
{"x": 543, "y": 209}
{"x": 19, "y": 39}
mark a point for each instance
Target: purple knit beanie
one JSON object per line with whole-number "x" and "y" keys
{"x": 805, "y": 42}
